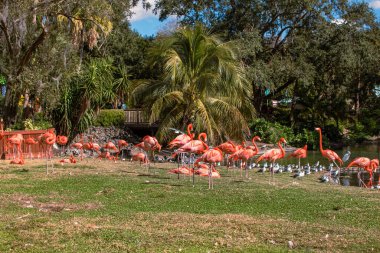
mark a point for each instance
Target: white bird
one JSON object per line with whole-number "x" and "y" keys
{"x": 176, "y": 130}
{"x": 346, "y": 156}
{"x": 299, "y": 174}
{"x": 324, "y": 179}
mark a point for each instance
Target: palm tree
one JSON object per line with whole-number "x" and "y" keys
{"x": 202, "y": 82}
{"x": 122, "y": 84}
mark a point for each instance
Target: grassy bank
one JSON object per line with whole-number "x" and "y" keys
{"x": 107, "y": 207}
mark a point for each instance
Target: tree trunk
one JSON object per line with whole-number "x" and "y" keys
{"x": 12, "y": 97}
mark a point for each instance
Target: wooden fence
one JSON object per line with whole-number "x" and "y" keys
{"x": 7, "y": 152}
{"x": 135, "y": 117}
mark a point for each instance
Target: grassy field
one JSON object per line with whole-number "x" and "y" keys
{"x": 100, "y": 206}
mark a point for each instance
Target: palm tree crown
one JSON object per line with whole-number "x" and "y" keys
{"x": 202, "y": 82}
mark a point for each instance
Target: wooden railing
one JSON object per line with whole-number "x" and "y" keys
{"x": 135, "y": 117}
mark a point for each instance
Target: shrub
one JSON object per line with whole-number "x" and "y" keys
{"x": 112, "y": 117}
{"x": 271, "y": 132}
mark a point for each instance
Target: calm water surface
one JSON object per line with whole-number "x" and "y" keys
{"x": 367, "y": 150}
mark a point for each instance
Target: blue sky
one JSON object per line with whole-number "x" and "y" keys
{"x": 147, "y": 24}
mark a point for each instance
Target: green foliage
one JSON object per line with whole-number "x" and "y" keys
{"x": 113, "y": 117}
{"x": 358, "y": 133}
{"x": 39, "y": 122}
{"x": 2, "y": 79}
{"x": 202, "y": 82}
{"x": 271, "y": 132}
{"x": 84, "y": 94}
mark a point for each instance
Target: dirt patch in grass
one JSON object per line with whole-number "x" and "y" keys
{"x": 173, "y": 231}
{"x": 240, "y": 231}
{"x": 50, "y": 205}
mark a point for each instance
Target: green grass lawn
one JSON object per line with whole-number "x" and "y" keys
{"x": 118, "y": 207}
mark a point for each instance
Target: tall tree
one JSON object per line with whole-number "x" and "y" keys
{"x": 202, "y": 82}
{"x": 27, "y": 25}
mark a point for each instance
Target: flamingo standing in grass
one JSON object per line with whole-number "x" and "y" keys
{"x": 29, "y": 142}
{"x": 121, "y": 144}
{"x": 299, "y": 153}
{"x": 46, "y": 141}
{"x": 79, "y": 146}
{"x": 62, "y": 141}
{"x": 246, "y": 154}
{"x": 16, "y": 141}
{"x": 195, "y": 146}
{"x": 329, "y": 154}
{"x": 235, "y": 155}
{"x": 142, "y": 157}
{"x": 111, "y": 146}
{"x": 228, "y": 148}
{"x": 273, "y": 154}
{"x": 211, "y": 157}
{"x": 182, "y": 139}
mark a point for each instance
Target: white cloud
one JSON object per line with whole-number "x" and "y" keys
{"x": 140, "y": 13}
{"x": 375, "y": 4}
{"x": 338, "y": 21}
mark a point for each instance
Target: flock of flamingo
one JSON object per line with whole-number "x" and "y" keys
{"x": 203, "y": 158}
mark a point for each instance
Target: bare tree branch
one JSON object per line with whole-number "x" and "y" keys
{"x": 3, "y": 27}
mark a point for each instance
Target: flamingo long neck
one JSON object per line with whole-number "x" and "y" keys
{"x": 254, "y": 144}
{"x": 189, "y": 129}
{"x": 282, "y": 150}
{"x": 202, "y": 135}
{"x": 320, "y": 141}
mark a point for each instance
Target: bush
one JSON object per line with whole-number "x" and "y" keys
{"x": 112, "y": 117}
{"x": 271, "y": 132}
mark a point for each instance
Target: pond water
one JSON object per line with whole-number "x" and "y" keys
{"x": 349, "y": 177}
{"x": 367, "y": 150}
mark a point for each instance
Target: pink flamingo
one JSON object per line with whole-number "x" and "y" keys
{"x": 111, "y": 146}
{"x": 329, "y": 154}
{"x": 195, "y": 146}
{"x": 182, "y": 170}
{"x": 142, "y": 157}
{"x": 247, "y": 153}
{"x": 69, "y": 160}
{"x": 29, "y": 142}
{"x": 182, "y": 139}
{"x": 273, "y": 154}
{"x": 16, "y": 141}
{"x": 366, "y": 164}
{"x": 212, "y": 157}
{"x": 228, "y": 148}
{"x": 47, "y": 140}
{"x": 299, "y": 153}
{"x": 120, "y": 145}
{"x": 62, "y": 141}
{"x": 79, "y": 146}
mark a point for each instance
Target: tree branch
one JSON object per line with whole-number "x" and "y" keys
{"x": 28, "y": 54}
{"x": 281, "y": 88}
{"x": 3, "y": 27}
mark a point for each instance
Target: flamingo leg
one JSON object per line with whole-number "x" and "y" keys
{"x": 246, "y": 168}
{"x": 209, "y": 176}
{"x": 299, "y": 163}
{"x": 338, "y": 171}
{"x": 241, "y": 168}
